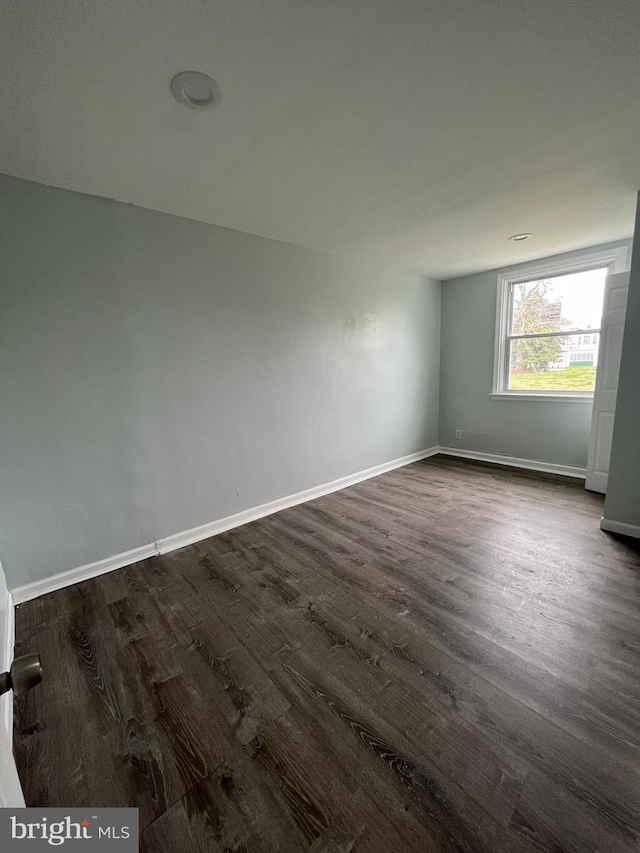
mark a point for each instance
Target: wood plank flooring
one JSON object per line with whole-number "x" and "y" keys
{"x": 444, "y": 658}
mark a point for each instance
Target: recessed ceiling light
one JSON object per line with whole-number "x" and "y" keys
{"x": 196, "y": 90}
{"x": 520, "y": 238}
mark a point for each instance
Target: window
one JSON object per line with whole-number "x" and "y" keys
{"x": 547, "y": 328}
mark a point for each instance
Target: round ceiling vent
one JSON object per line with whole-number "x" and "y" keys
{"x": 520, "y": 238}
{"x": 196, "y": 90}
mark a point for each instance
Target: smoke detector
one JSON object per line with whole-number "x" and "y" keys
{"x": 196, "y": 90}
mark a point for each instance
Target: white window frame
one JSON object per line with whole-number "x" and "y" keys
{"x": 615, "y": 259}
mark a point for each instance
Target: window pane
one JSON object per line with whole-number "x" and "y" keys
{"x": 552, "y": 364}
{"x": 554, "y": 304}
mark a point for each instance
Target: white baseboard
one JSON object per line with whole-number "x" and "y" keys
{"x": 621, "y": 527}
{"x": 516, "y": 462}
{"x": 41, "y": 587}
{"x": 188, "y": 537}
{"x": 196, "y": 534}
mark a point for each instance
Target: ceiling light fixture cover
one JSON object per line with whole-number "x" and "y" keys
{"x": 520, "y": 238}
{"x": 196, "y": 90}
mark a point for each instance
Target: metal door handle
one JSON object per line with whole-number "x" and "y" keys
{"x": 25, "y": 673}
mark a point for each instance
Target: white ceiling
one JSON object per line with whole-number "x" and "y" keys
{"x": 417, "y": 133}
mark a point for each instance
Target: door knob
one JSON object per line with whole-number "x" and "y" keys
{"x": 25, "y": 673}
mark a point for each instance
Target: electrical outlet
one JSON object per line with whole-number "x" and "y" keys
{"x": 458, "y": 433}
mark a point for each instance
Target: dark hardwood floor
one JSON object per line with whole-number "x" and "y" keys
{"x": 444, "y": 658}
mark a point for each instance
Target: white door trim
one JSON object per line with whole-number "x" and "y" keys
{"x": 10, "y": 789}
{"x": 604, "y": 399}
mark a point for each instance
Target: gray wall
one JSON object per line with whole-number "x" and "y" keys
{"x": 623, "y": 489}
{"x": 545, "y": 431}
{"x": 159, "y": 373}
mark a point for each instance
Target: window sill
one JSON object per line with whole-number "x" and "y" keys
{"x": 541, "y": 397}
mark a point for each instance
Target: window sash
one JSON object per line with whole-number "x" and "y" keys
{"x": 615, "y": 259}
{"x": 567, "y": 333}
{"x": 582, "y": 350}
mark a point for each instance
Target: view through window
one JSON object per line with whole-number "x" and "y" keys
{"x": 554, "y": 332}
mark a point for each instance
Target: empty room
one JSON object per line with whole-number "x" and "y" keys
{"x": 320, "y": 431}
